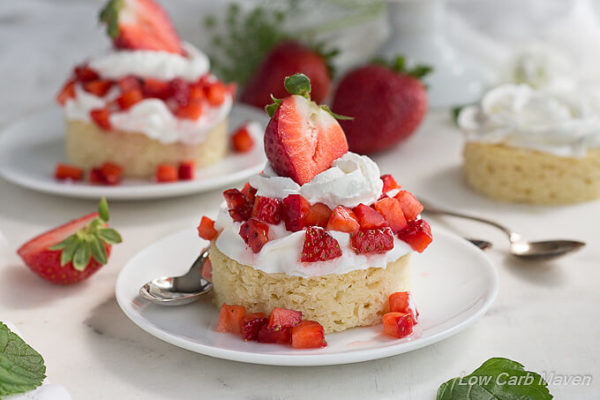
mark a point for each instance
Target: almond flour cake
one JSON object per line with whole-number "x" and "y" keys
{"x": 319, "y": 231}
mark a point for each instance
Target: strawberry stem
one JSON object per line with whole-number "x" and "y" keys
{"x": 419, "y": 71}
{"x": 298, "y": 84}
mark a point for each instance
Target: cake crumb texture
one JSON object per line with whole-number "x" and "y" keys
{"x": 89, "y": 146}
{"x": 513, "y": 174}
{"x": 338, "y": 302}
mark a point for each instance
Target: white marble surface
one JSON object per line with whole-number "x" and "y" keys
{"x": 546, "y": 316}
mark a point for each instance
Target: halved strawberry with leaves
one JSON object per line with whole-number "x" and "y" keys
{"x": 302, "y": 139}
{"x": 74, "y": 251}
{"x": 140, "y": 25}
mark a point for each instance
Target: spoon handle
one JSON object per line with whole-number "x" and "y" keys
{"x": 429, "y": 209}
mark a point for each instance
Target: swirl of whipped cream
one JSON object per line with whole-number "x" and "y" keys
{"x": 152, "y": 64}
{"x": 281, "y": 254}
{"x": 517, "y": 115}
{"x": 351, "y": 180}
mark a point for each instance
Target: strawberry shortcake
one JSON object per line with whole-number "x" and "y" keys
{"x": 149, "y": 101}
{"x": 319, "y": 231}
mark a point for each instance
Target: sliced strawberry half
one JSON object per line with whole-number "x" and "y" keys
{"x": 74, "y": 251}
{"x": 302, "y": 139}
{"x": 140, "y": 25}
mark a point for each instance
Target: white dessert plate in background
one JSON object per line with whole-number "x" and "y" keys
{"x": 31, "y": 148}
{"x": 454, "y": 283}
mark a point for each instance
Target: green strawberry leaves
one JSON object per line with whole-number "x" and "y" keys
{"x": 299, "y": 84}
{"x": 21, "y": 367}
{"x": 109, "y": 15}
{"x": 89, "y": 242}
{"x": 419, "y": 71}
{"x": 496, "y": 379}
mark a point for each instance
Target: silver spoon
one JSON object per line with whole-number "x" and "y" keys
{"x": 179, "y": 290}
{"x": 519, "y": 247}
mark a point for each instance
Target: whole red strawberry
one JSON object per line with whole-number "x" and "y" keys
{"x": 302, "y": 138}
{"x": 140, "y": 25}
{"x": 387, "y": 104}
{"x": 286, "y": 59}
{"x": 74, "y": 251}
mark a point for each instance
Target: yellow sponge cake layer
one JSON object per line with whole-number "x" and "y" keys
{"x": 89, "y": 146}
{"x": 338, "y": 302}
{"x": 521, "y": 175}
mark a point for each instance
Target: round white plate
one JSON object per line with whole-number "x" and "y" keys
{"x": 31, "y": 148}
{"x": 454, "y": 283}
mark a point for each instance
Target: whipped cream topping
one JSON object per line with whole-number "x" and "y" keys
{"x": 563, "y": 124}
{"x": 151, "y": 117}
{"x": 281, "y": 254}
{"x": 351, "y": 180}
{"x": 152, "y": 64}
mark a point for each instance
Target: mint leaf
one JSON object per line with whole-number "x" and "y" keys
{"x": 298, "y": 84}
{"x": 21, "y": 367}
{"x": 103, "y": 210}
{"x": 109, "y": 235}
{"x": 496, "y": 379}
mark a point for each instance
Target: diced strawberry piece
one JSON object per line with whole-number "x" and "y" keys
{"x": 179, "y": 91}
{"x": 186, "y": 170}
{"x": 242, "y": 141}
{"x": 98, "y": 87}
{"x": 389, "y": 183}
{"x": 166, "y": 173}
{"x": 111, "y": 173}
{"x": 83, "y": 73}
{"x": 67, "y": 92}
{"x": 284, "y": 318}
{"x": 294, "y": 153}
{"x": 215, "y": 93}
{"x": 308, "y": 335}
{"x": 206, "y": 229}
{"x": 397, "y": 324}
{"x": 274, "y": 335}
{"x": 252, "y": 324}
{"x": 390, "y": 209}
{"x": 368, "y": 218}
{"x": 230, "y": 319}
{"x": 417, "y": 234}
{"x": 249, "y": 192}
{"x": 255, "y": 234}
{"x": 267, "y": 209}
{"x": 207, "y": 270}
{"x": 101, "y": 116}
{"x": 191, "y": 110}
{"x": 64, "y": 171}
{"x": 140, "y": 25}
{"x": 196, "y": 92}
{"x": 319, "y": 246}
{"x": 372, "y": 240}
{"x": 129, "y": 98}
{"x": 155, "y": 88}
{"x": 295, "y": 210}
{"x": 411, "y": 207}
{"x": 96, "y": 176}
{"x": 399, "y": 302}
{"x": 318, "y": 215}
{"x": 343, "y": 219}
{"x": 128, "y": 83}
{"x": 239, "y": 206}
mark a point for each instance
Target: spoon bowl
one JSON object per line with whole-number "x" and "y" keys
{"x": 180, "y": 290}
{"x": 544, "y": 250}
